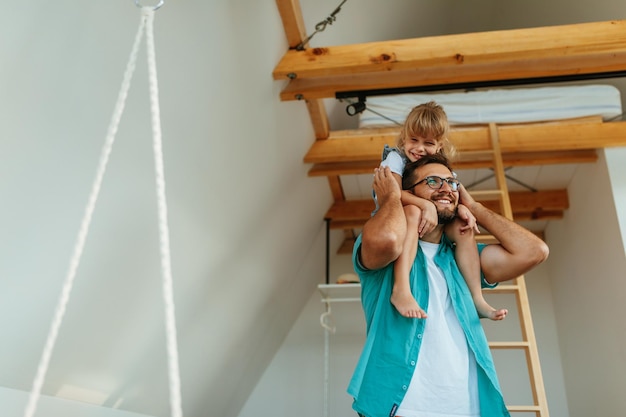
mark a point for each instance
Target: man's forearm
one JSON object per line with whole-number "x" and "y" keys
{"x": 384, "y": 234}
{"x": 509, "y": 234}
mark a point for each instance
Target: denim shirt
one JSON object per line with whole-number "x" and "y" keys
{"x": 392, "y": 345}
{"x": 395, "y": 159}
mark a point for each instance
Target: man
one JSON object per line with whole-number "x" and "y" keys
{"x": 440, "y": 366}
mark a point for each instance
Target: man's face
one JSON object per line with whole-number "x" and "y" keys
{"x": 445, "y": 199}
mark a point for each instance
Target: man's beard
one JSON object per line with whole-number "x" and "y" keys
{"x": 446, "y": 216}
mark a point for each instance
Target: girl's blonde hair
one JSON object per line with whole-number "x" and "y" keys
{"x": 424, "y": 120}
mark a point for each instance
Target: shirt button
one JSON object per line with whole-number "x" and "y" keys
{"x": 419, "y": 336}
{"x": 404, "y": 387}
{"x": 413, "y": 363}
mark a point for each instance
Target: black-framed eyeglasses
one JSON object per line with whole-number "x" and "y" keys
{"x": 436, "y": 183}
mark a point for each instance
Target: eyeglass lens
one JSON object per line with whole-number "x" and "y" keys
{"x": 437, "y": 182}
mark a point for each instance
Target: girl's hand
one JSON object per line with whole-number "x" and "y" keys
{"x": 429, "y": 219}
{"x": 464, "y": 214}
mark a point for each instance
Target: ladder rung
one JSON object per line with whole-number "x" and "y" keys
{"x": 509, "y": 345}
{"x": 482, "y": 195}
{"x": 502, "y": 289}
{"x": 486, "y": 239}
{"x": 473, "y": 155}
{"x": 523, "y": 408}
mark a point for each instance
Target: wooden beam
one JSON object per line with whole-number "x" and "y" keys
{"x": 346, "y": 246}
{"x": 527, "y": 205}
{"x": 565, "y": 50}
{"x": 319, "y": 118}
{"x": 364, "y": 145}
{"x": 519, "y": 217}
{"x": 529, "y": 201}
{"x": 513, "y": 159}
{"x": 293, "y": 22}
{"x": 334, "y": 182}
{"x": 295, "y": 31}
{"x": 510, "y": 160}
{"x": 513, "y": 48}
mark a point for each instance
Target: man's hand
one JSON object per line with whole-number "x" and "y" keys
{"x": 465, "y": 198}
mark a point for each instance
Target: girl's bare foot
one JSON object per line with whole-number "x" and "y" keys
{"x": 407, "y": 306}
{"x": 485, "y": 311}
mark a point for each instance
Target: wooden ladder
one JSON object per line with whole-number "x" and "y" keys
{"x": 518, "y": 288}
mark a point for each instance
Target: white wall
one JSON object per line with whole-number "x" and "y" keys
{"x": 293, "y": 384}
{"x": 587, "y": 264}
{"x": 615, "y": 160}
{"x": 245, "y": 219}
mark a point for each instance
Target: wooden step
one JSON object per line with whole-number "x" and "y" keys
{"x": 502, "y": 289}
{"x": 509, "y": 345}
{"x": 523, "y": 408}
{"x": 487, "y": 239}
{"x": 482, "y": 195}
{"x": 479, "y": 155}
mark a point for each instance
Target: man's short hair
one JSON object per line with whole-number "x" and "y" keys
{"x": 408, "y": 176}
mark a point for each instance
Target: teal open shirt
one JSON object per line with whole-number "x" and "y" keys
{"x": 392, "y": 345}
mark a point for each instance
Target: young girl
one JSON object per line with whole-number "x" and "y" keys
{"x": 424, "y": 133}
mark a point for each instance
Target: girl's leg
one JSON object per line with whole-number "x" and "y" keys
{"x": 401, "y": 296}
{"x": 468, "y": 261}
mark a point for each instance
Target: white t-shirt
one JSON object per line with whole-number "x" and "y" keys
{"x": 444, "y": 383}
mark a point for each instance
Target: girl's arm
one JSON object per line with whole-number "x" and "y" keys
{"x": 468, "y": 219}
{"x": 429, "y": 212}
{"x": 429, "y": 219}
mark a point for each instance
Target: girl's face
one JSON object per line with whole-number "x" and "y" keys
{"x": 416, "y": 147}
